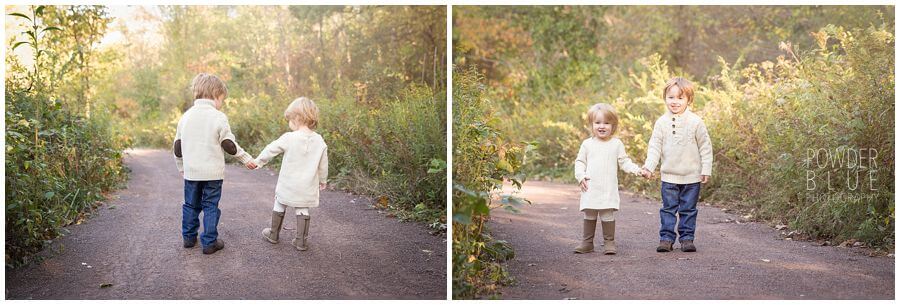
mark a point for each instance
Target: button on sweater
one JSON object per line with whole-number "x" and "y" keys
{"x": 201, "y": 130}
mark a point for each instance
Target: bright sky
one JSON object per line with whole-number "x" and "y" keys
{"x": 136, "y": 19}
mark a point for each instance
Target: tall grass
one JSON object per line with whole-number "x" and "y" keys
{"x": 58, "y": 166}
{"x": 482, "y": 160}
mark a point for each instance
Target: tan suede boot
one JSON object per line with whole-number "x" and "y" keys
{"x": 587, "y": 239}
{"x": 299, "y": 241}
{"x": 609, "y": 236}
{"x": 271, "y": 233}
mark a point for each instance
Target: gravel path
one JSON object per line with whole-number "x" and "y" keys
{"x": 133, "y": 242}
{"x": 734, "y": 261}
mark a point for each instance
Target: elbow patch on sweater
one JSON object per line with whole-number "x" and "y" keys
{"x": 229, "y": 147}
{"x": 177, "y": 148}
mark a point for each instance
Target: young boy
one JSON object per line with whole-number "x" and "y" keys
{"x": 681, "y": 141}
{"x": 202, "y": 138}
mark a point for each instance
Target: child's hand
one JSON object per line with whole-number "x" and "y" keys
{"x": 251, "y": 165}
{"x": 646, "y": 173}
{"x": 704, "y": 179}
{"x": 322, "y": 186}
{"x": 584, "y": 185}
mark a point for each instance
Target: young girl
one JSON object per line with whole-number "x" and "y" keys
{"x": 596, "y": 169}
{"x": 303, "y": 169}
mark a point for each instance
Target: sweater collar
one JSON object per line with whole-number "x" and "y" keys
{"x": 203, "y": 101}
{"x": 683, "y": 113}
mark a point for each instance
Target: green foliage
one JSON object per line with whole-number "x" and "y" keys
{"x": 59, "y": 162}
{"x": 482, "y": 161}
{"x": 822, "y": 79}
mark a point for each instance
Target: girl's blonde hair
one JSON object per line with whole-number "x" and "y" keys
{"x": 302, "y": 111}
{"x": 606, "y": 112}
{"x": 208, "y": 86}
{"x": 687, "y": 89}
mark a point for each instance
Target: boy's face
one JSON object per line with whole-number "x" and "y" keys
{"x": 675, "y": 101}
{"x": 219, "y": 102}
{"x": 601, "y": 128}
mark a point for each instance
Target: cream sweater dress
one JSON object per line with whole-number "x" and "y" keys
{"x": 303, "y": 168}
{"x": 600, "y": 161}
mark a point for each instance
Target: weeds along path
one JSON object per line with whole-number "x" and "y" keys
{"x": 734, "y": 261}
{"x": 131, "y": 248}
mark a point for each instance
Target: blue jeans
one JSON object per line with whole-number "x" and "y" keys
{"x": 681, "y": 198}
{"x": 201, "y": 196}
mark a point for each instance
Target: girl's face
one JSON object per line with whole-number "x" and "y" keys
{"x": 675, "y": 101}
{"x": 601, "y": 128}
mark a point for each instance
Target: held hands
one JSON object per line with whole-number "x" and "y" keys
{"x": 251, "y": 165}
{"x": 322, "y": 186}
{"x": 646, "y": 173}
{"x": 584, "y": 184}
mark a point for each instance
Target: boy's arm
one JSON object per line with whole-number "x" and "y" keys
{"x": 176, "y": 149}
{"x": 229, "y": 144}
{"x": 323, "y": 167}
{"x": 706, "y": 153}
{"x": 581, "y": 164}
{"x": 273, "y": 149}
{"x": 625, "y": 162}
{"x": 654, "y": 149}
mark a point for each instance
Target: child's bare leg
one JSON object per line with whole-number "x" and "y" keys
{"x": 271, "y": 233}
{"x": 588, "y": 228}
{"x": 608, "y": 225}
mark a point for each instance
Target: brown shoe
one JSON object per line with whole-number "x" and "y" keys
{"x": 664, "y": 246}
{"x": 609, "y": 237}
{"x": 587, "y": 236}
{"x": 687, "y": 245}
{"x": 271, "y": 233}
{"x": 216, "y": 246}
{"x": 299, "y": 241}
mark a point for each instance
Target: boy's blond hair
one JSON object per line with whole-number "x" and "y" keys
{"x": 608, "y": 114}
{"x": 687, "y": 89}
{"x": 208, "y": 86}
{"x": 302, "y": 111}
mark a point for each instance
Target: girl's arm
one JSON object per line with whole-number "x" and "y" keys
{"x": 654, "y": 149}
{"x": 323, "y": 167}
{"x": 581, "y": 164}
{"x": 625, "y": 162}
{"x": 271, "y": 151}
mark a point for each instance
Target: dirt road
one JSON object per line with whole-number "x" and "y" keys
{"x": 734, "y": 261}
{"x": 134, "y": 243}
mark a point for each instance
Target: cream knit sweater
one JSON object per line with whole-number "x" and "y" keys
{"x": 600, "y": 161}
{"x": 201, "y": 131}
{"x": 682, "y": 143}
{"x": 303, "y": 168}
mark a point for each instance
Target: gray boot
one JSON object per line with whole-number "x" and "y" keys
{"x": 587, "y": 236}
{"x": 609, "y": 236}
{"x": 271, "y": 233}
{"x": 299, "y": 241}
